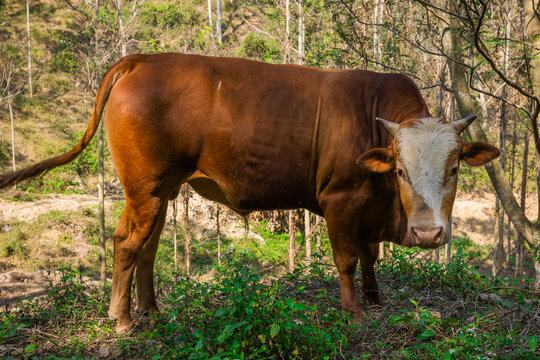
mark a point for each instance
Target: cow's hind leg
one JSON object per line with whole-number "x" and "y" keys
{"x": 144, "y": 271}
{"x": 370, "y": 288}
{"x": 141, "y": 217}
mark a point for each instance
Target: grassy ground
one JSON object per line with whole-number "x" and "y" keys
{"x": 251, "y": 308}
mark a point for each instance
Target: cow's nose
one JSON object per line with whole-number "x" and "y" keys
{"x": 427, "y": 235}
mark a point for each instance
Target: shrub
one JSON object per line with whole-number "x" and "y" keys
{"x": 259, "y": 47}
{"x": 11, "y": 243}
{"x": 458, "y": 274}
{"x": 240, "y": 316}
{"x": 64, "y": 58}
{"x": 169, "y": 15}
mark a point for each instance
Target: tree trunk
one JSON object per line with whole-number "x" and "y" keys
{"x": 448, "y": 247}
{"x": 101, "y": 189}
{"x": 521, "y": 249}
{"x": 175, "y": 235}
{"x": 218, "y": 231}
{"x": 512, "y": 180}
{"x": 498, "y": 246}
{"x": 532, "y": 21}
{"x": 292, "y": 248}
{"x": 29, "y": 47}
{"x": 377, "y": 19}
{"x": 532, "y": 29}
{"x": 218, "y": 21}
{"x": 210, "y": 23}
{"x": 319, "y": 236}
{"x": 494, "y": 169}
{"x": 448, "y": 255}
{"x": 122, "y": 29}
{"x": 12, "y": 130}
{"x": 287, "y": 31}
{"x": 187, "y": 235}
{"x": 301, "y": 32}
{"x": 101, "y": 200}
{"x": 504, "y": 131}
{"x": 307, "y": 235}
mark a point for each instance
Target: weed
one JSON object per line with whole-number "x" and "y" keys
{"x": 12, "y": 242}
{"x": 259, "y": 47}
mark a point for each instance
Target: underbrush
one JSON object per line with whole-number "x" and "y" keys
{"x": 431, "y": 311}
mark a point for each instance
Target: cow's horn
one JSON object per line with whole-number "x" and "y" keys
{"x": 462, "y": 124}
{"x": 388, "y": 125}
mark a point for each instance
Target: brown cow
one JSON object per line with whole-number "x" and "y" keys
{"x": 256, "y": 136}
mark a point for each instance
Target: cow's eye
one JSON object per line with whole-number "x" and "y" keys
{"x": 400, "y": 173}
{"x": 454, "y": 171}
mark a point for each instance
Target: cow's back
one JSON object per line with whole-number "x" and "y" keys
{"x": 248, "y": 134}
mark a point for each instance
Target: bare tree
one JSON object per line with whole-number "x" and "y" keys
{"x": 124, "y": 24}
{"x": 287, "y": 51}
{"x": 210, "y": 22}
{"x": 307, "y": 234}
{"x": 218, "y": 233}
{"x": 218, "y": 21}
{"x": 187, "y": 235}
{"x": 10, "y": 87}
{"x": 301, "y": 32}
{"x": 101, "y": 182}
{"x": 29, "y": 47}
{"x": 521, "y": 249}
{"x": 175, "y": 235}
{"x": 292, "y": 248}
{"x": 377, "y": 19}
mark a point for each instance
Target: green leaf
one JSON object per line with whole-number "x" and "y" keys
{"x": 274, "y": 330}
{"x": 395, "y": 319}
{"x": 30, "y": 349}
{"x": 425, "y": 334}
{"x": 533, "y": 342}
{"x": 221, "y": 312}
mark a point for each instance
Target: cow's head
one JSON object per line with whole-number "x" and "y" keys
{"x": 425, "y": 157}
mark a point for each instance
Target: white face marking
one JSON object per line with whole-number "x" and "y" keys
{"x": 425, "y": 148}
{"x": 219, "y": 86}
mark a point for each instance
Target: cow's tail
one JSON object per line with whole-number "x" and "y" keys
{"x": 110, "y": 77}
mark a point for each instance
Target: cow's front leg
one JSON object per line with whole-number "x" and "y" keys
{"x": 345, "y": 251}
{"x": 370, "y": 288}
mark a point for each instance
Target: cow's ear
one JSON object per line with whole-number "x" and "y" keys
{"x": 378, "y": 160}
{"x": 479, "y": 153}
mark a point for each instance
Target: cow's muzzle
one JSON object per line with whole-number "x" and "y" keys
{"x": 427, "y": 236}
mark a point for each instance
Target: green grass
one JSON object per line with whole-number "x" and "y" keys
{"x": 431, "y": 311}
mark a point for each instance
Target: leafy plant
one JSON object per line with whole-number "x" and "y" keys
{"x": 259, "y": 47}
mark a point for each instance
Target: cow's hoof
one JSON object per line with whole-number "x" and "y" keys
{"x": 124, "y": 327}
{"x": 372, "y": 297}
{"x": 359, "y": 318}
{"x": 147, "y": 310}
{"x": 112, "y": 315}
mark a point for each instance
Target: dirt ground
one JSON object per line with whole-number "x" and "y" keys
{"x": 473, "y": 216}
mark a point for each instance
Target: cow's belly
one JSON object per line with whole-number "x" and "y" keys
{"x": 251, "y": 195}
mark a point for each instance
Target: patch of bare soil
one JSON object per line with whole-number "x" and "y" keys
{"x": 473, "y": 216}
{"x": 17, "y": 284}
{"x": 30, "y": 210}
